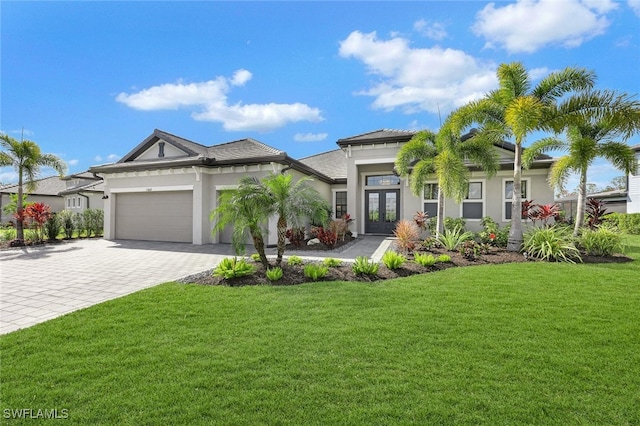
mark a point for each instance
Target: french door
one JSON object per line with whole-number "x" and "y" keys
{"x": 382, "y": 210}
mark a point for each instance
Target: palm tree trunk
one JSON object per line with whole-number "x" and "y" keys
{"x": 282, "y": 233}
{"x": 440, "y": 218}
{"x": 19, "y": 208}
{"x": 514, "y": 242}
{"x": 582, "y": 202}
{"x": 258, "y": 243}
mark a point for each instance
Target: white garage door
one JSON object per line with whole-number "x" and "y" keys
{"x": 155, "y": 216}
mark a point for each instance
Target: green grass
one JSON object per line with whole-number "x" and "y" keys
{"x": 525, "y": 343}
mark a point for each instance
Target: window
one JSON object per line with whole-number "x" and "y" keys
{"x": 473, "y": 204}
{"x": 430, "y": 199}
{"x": 73, "y": 199}
{"x": 383, "y": 180}
{"x": 79, "y": 202}
{"x": 508, "y": 195}
{"x": 68, "y": 203}
{"x": 340, "y": 204}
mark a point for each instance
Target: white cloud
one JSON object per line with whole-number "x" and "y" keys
{"x": 418, "y": 79}
{"x": 310, "y": 137}
{"x": 73, "y": 162}
{"x": 112, "y": 157}
{"x": 635, "y": 6}
{"x": 210, "y": 98}
{"x": 8, "y": 175}
{"x": 97, "y": 158}
{"x": 432, "y": 30}
{"x": 528, "y": 25}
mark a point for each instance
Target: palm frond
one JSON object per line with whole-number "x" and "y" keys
{"x": 560, "y": 172}
{"x": 541, "y": 146}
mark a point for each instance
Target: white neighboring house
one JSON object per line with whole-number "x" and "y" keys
{"x": 633, "y": 195}
{"x": 46, "y": 191}
{"x": 166, "y": 186}
{"x": 82, "y": 191}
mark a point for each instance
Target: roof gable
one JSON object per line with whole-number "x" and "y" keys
{"x": 378, "y": 136}
{"x": 173, "y": 147}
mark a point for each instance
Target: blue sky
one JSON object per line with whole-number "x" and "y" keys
{"x": 88, "y": 81}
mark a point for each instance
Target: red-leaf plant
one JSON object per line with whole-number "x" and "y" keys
{"x": 37, "y": 214}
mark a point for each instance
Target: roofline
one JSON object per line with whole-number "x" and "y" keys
{"x": 155, "y": 136}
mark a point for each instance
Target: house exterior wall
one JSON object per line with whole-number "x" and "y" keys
{"x": 54, "y": 201}
{"x": 78, "y": 203}
{"x": 169, "y": 151}
{"x": 633, "y": 200}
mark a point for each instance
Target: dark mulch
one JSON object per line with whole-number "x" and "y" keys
{"x": 294, "y": 275}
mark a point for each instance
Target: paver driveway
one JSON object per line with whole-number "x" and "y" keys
{"x": 37, "y": 284}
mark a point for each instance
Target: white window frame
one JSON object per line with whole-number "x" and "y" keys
{"x": 73, "y": 202}
{"x": 482, "y": 200}
{"x": 68, "y": 202}
{"x": 505, "y": 199}
{"x": 79, "y": 203}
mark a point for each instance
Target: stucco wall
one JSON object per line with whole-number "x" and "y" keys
{"x": 55, "y": 202}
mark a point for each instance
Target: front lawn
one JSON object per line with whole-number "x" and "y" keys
{"x": 527, "y": 343}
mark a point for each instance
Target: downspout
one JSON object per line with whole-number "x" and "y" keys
{"x": 82, "y": 195}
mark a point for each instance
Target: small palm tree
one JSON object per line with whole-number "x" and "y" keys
{"x": 292, "y": 202}
{"x": 586, "y": 142}
{"x": 516, "y": 109}
{"x": 26, "y": 158}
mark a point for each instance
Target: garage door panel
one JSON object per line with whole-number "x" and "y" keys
{"x": 155, "y": 216}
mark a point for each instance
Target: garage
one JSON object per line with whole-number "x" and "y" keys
{"x": 154, "y": 216}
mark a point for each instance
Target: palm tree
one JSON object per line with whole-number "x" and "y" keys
{"x": 444, "y": 155}
{"x": 247, "y": 209}
{"x": 293, "y": 202}
{"x": 516, "y": 109}
{"x": 586, "y": 142}
{"x": 26, "y": 158}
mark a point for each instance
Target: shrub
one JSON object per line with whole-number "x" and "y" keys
{"x": 492, "y": 233}
{"x": 52, "y": 227}
{"x": 602, "y": 241}
{"x": 626, "y": 222}
{"x": 274, "y": 274}
{"x": 295, "y": 236}
{"x": 340, "y": 227}
{"x": 331, "y": 262}
{"x": 451, "y": 223}
{"x": 314, "y": 271}
{"x": 443, "y": 258}
{"x": 66, "y": 221}
{"x": 326, "y": 236}
{"x": 363, "y": 266}
{"x": 595, "y": 212}
{"x": 424, "y": 259}
{"x": 37, "y": 214}
{"x": 79, "y": 224}
{"x": 232, "y": 267}
{"x": 470, "y": 250}
{"x": 421, "y": 220}
{"x": 255, "y": 257}
{"x": 433, "y": 223}
{"x": 93, "y": 221}
{"x": 407, "y": 234}
{"x": 452, "y": 238}
{"x": 393, "y": 260}
{"x": 553, "y": 244}
{"x": 430, "y": 242}
{"x": 294, "y": 260}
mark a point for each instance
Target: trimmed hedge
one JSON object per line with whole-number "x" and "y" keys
{"x": 626, "y": 222}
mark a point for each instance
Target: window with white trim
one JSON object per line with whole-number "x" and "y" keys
{"x": 79, "y": 202}
{"x": 68, "y": 203}
{"x": 73, "y": 201}
{"x": 508, "y": 195}
{"x": 473, "y": 203}
{"x": 340, "y": 207}
{"x": 430, "y": 199}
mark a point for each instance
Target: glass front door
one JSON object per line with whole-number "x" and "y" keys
{"x": 382, "y": 210}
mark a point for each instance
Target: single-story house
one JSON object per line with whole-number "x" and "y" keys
{"x": 633, "y": 195}
{"x": 46, "y": 191}
{"x": 83, "y": 191}
{"x": 166, "y": 186}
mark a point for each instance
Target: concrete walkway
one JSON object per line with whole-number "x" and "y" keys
{"x": 41, "y": 283}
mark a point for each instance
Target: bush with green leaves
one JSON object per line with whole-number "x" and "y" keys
{"x": 232, "y": 267}
{"x": 255, "y": 257}
{"x": 492, "y": 233}
{"x": 470, "y": 250}
{"x": 393, "y": 260}
{"x": 66, "y": 221}
{"x": 628, "y": 223}
{"x": 79, "y": 224}
{"x": 331, "y": 262}
{"x": 315, "y": 271}
{"x": 294, "y": 260}
{"x": 52, "y": 227}
{"x": 430, "y": 243}
{"x": 452, "y": 238}
{"x": 551, "y": 244}
{"x": 424, "y": 259}
{"x": 93, "y": 221}
{"x": 453, "y": 223}
{"x": 274, "y": 274}
{"x": 602, "y": 241}
{"x": 364, "y": 266}
{"x": 443, "y": 258}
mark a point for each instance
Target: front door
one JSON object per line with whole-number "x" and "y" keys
{"x": 382, "y": 210}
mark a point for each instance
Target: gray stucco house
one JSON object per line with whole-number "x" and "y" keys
{"x": 633, "y": 194}
{"x": 46, "y": 191}
{"x": 166, "y": 186}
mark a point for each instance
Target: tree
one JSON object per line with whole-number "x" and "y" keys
{"x": 292, "y": 203}
{"x": 618, "y": 183}
{"x": 515, "y": 110}
{"x": 585, "y": 142}
{"x": 444, "y": 156}
{"x": 26, "y": 158}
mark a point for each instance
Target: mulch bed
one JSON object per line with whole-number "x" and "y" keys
{"x": 293, "y": 275}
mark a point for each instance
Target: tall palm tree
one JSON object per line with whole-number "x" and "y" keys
{"x": 247, "y": 209}
{"x": 292, "y": 202}
{"x": 446, "y": 156}
{"x": 585, "y": 142}
{"x": 516, "y": 109}
{"x": 27, "y": 159}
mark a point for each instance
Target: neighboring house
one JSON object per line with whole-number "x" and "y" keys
{"x": 46, "y": 191}
{"x": 83, "y": 191}
{"x": 615, "y": 202}
{"x": 633, "y": 196}
{"x": 165, "y": 188}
